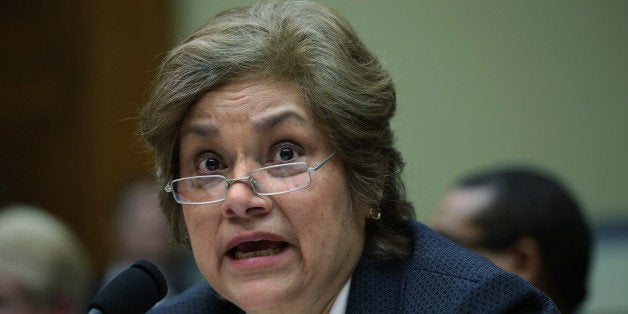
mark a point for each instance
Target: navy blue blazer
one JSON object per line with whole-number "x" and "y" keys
{"x": 441, "y": 277}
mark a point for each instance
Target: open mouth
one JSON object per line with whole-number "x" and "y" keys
{"x": 256, "y": 249}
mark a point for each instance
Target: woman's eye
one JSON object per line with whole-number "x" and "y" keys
{"x": 209, "y": 165}
{"x": 285, "y": 154}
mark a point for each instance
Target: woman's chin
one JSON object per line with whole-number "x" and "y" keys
{"x": 263, "y": 296}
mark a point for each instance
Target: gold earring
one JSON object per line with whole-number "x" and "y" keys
{"x": 376, "y": 213}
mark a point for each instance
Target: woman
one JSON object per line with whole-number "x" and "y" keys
{"x": 271, "y": 131}
{"x": 527, "y": 223}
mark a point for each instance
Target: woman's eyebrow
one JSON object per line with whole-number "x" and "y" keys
{"x": 202, "y": 130}
{"x": 270, "y": 122}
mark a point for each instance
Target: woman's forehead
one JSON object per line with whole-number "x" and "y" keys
{"x": 253, "y": 99}
{"x": 258, "y": 106}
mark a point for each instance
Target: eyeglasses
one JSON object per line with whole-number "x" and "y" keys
{"x": 271, "y": 180}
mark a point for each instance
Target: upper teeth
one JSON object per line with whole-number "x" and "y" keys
{"x": 267, "y": 252}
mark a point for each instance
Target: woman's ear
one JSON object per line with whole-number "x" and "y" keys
{"x": 527, "y": 259}
{"x": 367, "y": 212}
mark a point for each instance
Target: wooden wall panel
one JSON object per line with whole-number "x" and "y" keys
{"x": 73, "y": 74}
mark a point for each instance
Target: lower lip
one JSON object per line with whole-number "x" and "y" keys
{"x": 261, "y": 262}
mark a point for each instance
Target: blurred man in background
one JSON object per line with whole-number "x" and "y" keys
{"x": 527, "y": 223}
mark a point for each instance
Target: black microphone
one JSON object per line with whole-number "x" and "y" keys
{"x": 135, "y": 290}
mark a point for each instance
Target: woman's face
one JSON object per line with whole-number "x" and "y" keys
{"x": 291, "y": 252}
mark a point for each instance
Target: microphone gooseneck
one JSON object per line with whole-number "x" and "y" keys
{"x": 135, "y": 290}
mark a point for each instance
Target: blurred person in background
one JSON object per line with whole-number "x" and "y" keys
{"x": 43, "y": 266}
{"x": 526, "y": 222}
{"x": 140, "y": 232}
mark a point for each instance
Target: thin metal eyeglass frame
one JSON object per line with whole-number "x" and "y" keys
{"x": 169, "y": 189}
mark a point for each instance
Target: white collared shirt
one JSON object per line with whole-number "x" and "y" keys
{"x": 340, "y": 305}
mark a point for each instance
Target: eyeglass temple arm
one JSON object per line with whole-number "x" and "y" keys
{"x": 320, "y": 164}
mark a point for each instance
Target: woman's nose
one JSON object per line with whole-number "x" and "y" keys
{"x": 241, "y": 200}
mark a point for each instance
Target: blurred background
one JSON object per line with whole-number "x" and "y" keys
{"x": 479, "y": 84}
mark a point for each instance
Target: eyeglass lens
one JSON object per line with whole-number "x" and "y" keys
{"x": 265, "y": 181}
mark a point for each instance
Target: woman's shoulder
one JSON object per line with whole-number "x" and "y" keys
{"x": 441, "y": 277}
{"x": 446, "y": 272}
{"x": 433, "y": 253}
